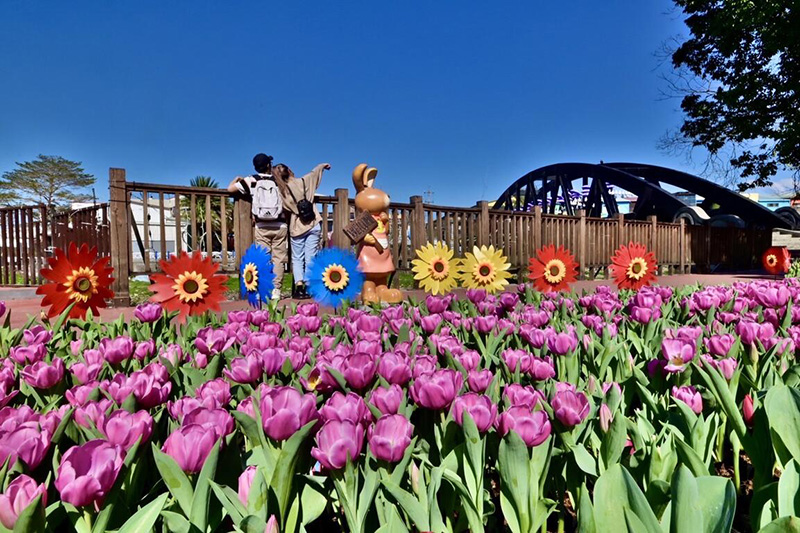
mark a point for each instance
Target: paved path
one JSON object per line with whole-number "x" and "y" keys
{"x": 23, "y": 303}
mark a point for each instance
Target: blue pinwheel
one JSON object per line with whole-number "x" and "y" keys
{"x": 334, "y": 277}
{"x": 256, "y": 277}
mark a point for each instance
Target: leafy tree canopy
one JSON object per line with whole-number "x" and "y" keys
{"x": 51, "y": 180}
{"x": 744, "y": 58}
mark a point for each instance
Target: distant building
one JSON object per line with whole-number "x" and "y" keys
{"x": 770, "y": 202}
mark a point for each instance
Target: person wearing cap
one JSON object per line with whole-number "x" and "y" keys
{"x": 272, "y": 234}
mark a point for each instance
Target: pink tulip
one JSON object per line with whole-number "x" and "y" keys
{"x": 216, "y": 392}
{"x": 211, "y": 341}
{"x": 430, "y": 323}
{"x": 272, "y": 360}
{"x": 12, "y": 417}
{"x": 678, "y": 353}
{"x": 124, "y": 429}
{"x": 438, "y": 389}
{"x": 337, "y": 442}
{"x": 27, "y": 442}
{"x": 144, "y": 349}
{"x": 149, "y": 390}
{"x": 183, "y": 406}
{"x": 117, "y": 350}
{"x": 479, "y": 407}
{"x": 689, "y": 396}
{"x": 533, "y": 427}
{"x": 520, "y": 395}
{"x": 562, "y": 343}
{"x": 148, "y": 312}
{"x": 272, "y": 525}
{"x": 190, "y": 446}
{"x": 346, "y": 407}
{"x": 88, "y": 472}
{"x": 85, "y": 372}
{"x": 217, "y": 420}
{"x": 28, "y": 354}
{"x": 37, "y": 335}
{"x": 485, "y": 324}
{"x": 389, "y": 437}
{"x": 424, "y": 364}
{"x": 92, "y": 413}
{"x": 387, "y": 400}
{"x": 570, "y": 407}
{"x": 719, "y": 345}
{"x": 359, "y": 370}
{"x": 244, "y": 369}
{"x": 245, "y": 483}
{"x": 285, "y": 410}
{"x": 18, "y": 496}
{"x": 172, "y": 353}
{"x": 479, "y": 380}
{"x": 246, "y": 407}
{"x": 43, "y": 376}
{"x": 534, "y": 336}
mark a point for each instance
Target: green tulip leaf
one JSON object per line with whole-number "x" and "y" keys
{"x": 685, "y": 512}
{"x": 416, "y": 510}
{"x": 202, "y": 491}
{"x": 717, "y": 502}
{"x": 284, "y": 474}
{"x": 789, "y": 490}
{"x": 230, "y": 501}
{"x": 145, "y": 518}
{"x": 785, "y": 524}
{"x": 615, "y": 492}
{"x": 31, "y": 518}
{"x": 175, "y": 479}
{"x": 782, "y": 405}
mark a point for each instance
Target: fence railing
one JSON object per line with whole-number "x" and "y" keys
{"x": 146, "y": 222}
{"x": 23, "y": 244}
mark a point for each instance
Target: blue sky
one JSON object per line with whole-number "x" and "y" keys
{"x": 460, "y": 98}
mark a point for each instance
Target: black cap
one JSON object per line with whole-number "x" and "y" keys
{"x": 261, "y": 162}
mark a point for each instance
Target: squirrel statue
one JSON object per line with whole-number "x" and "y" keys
{"x": 374, "y": 256}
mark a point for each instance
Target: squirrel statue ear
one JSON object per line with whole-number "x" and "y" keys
{"x": 358, "y": 176}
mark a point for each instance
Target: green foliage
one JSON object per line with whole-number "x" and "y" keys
{"x": 51, "y": 180}
{"x": 738, "y": 73}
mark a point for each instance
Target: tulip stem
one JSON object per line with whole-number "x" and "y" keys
{"x": 561, "y": 523}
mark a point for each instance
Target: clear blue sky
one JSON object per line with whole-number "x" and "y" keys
{"x": 457, "y": 97}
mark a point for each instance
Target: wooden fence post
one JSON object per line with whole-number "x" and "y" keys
{"x": 483, "y": 224}
{"x": 242, "y": 226}
{"x": 341, "y": 218}
{"x": 537, "y": 227}
{"x": 418, "y": 234}
{"x": 653, "y": 229}
{"x": 582, "y": 244}
{"x": 682, "y": 245}
{"x": 620, "y": 230}
{"x": 120, "y": 237}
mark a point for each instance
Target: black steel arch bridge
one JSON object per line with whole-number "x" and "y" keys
{"x": 553, "y": 188}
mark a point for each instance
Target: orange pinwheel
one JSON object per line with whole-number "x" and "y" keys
{"x": 552, "y": 269}
{"x": 633, "y": 267}
{"x": 777, "y": 260}
{"x": 76, "y": 276}
{"x": 188, "y": 284}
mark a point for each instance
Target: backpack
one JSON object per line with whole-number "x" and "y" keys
{"x": 267, "y": 200}
{"x": 305, "y": 209}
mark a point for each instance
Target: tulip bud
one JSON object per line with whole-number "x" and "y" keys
{"x": 245, "y": 482}
{"x": 753, "y": 354}
{"x": 748, "y": 410}
{"x": 605, "y": 418}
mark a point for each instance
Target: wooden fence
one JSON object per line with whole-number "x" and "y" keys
{"x": 87, "y": 225}
{"x": 23, "y": 244}
{"x": 145, "y": 222}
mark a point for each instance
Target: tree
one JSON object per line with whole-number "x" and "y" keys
{"x": 51, "y": 180}
{"x": 739, "y": 78}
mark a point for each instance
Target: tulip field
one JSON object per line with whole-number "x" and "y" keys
{"x": 661, "y": 410}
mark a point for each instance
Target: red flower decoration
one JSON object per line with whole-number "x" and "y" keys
{"x": 552, "y": 269}
{"x": 188, "y": 284}
{"x": 633, "y": 267}
{"x": 76, "y": 276}
{"x": 777, "y": 260}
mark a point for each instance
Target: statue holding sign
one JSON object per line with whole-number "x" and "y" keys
{"x": 370, "y": 229}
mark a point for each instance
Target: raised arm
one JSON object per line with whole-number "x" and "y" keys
{"x": 233, "y": 186}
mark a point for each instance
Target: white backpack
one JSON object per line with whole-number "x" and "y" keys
{"x": 267, "y": 200}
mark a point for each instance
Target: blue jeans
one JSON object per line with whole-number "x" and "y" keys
{"x": 304, "y": 248}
